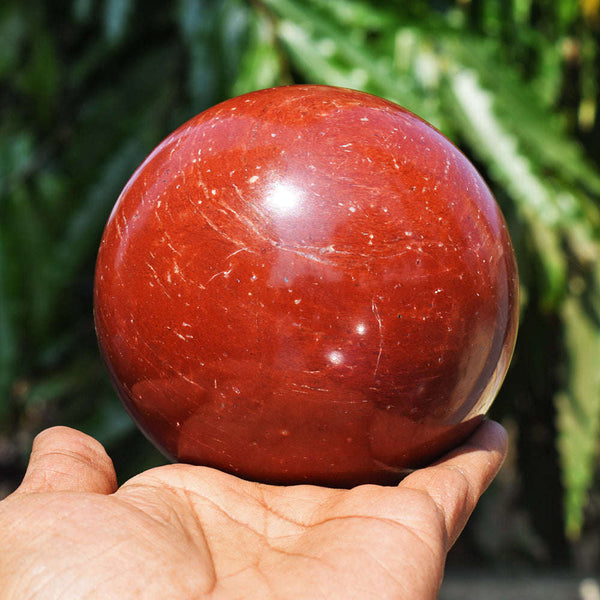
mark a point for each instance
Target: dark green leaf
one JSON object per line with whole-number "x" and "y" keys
{"x": 8, "y": 334}
{"x": 12, "y": 33}
{"x": 82, "y": 233}
{"x": 579, "y": 411}
{"x": 116, "y": 17}
{"x": 40, "y": 79}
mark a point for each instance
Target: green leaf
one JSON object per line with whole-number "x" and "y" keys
{"x": 12, "y": 33}
{"x": 116, "y": 17}
{"x": 233, "y": 30}
{"x": 69, "y": 380}
{"x": 195, "y": 17}
{"x": 8, "y": 333}
{"x": 198, "y": 23}
{"x": 82, "y": 10}
{"x": 357, "y": 14}
{"x": 539, "y": 130}
{"x": 261, "y": 63}
{"x": 32, "y": 239}
{"x": 325, "y": 53}
{"x": 16, "y": 155}
{"x": 579, "y": 411}
{"x": 84, "y": 227}
{"x": 40, "y": 78}
{"x": 497, "y": 146}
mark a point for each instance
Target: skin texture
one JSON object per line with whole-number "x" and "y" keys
{"x": 187, "y": 532}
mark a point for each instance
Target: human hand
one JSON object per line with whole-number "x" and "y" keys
{"x": 183, "y": 532}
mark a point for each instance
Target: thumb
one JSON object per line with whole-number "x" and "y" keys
{"x": 456, "y": 482}
{"x": 64, "y": 459}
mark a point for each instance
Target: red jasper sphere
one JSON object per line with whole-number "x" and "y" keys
{"x": 306, "y": 284}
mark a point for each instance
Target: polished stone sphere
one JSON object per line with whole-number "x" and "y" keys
{"x": 307, "y": 284}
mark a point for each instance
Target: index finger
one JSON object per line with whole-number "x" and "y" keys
{"x": 457, "y": 481}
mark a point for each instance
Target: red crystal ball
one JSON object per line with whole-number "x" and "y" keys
{"x": 306, "y": 284}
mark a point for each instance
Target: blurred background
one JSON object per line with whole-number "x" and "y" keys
{"x": 89, "y": 87}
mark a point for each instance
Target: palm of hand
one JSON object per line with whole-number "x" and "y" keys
{"x": 190, "y": 532}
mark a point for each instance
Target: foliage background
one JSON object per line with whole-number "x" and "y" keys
{"x": 89, "y": 87}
